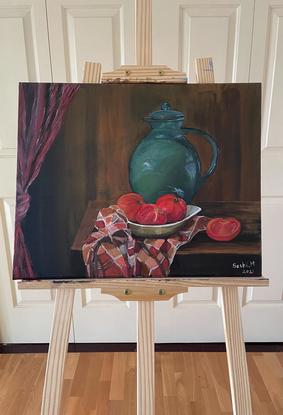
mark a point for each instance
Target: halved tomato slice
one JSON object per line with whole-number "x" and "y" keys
{"x": 223, "y": 229}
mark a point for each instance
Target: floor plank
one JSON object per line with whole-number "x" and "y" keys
{"x": 187, "y": 383}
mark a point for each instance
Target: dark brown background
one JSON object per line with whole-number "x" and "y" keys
{"x": 89, "y": 162}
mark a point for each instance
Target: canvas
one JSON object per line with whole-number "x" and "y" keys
{"x": 138, "y": 180}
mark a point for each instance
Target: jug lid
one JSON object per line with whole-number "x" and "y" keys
{"x": 165, "y": 113}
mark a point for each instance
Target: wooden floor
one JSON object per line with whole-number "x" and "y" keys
{"x": 104, "y": 384}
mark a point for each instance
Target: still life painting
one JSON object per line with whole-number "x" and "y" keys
{"x": 121, "y": 180}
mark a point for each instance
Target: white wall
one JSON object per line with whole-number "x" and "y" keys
{"x": 50, "y": 41}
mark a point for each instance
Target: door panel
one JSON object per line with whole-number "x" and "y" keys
{"x": 101, "y": 32}
{"x": 218, "y": 29}
{"x": 89, "y": 31}
{"x": 25, "y": 315}
{"x": 263, "y": 308}
{"x": 223, "y": 30}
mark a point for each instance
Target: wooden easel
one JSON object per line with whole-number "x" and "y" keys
{"x": 146, "y": 291}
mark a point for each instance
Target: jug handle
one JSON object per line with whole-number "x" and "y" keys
{"x": 214, "y": 155}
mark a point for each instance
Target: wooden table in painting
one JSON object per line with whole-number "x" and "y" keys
{"x": 246, "y": 245}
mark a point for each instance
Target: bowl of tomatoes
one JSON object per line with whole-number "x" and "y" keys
{"x": 163, "y": 218}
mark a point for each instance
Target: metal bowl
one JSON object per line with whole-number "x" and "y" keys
{"x": 160, "y": 231}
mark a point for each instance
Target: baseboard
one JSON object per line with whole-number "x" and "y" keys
{"x": 131, "y": 347}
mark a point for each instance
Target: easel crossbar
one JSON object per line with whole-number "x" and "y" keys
{"x": 186, "y": 282}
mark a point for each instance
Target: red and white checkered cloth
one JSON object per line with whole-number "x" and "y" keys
{"x": 110, "y": 251}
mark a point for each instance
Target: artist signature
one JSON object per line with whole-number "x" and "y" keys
{"x": 247, "y": 267}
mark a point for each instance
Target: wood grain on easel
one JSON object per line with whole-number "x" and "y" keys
{"x": 144, "y": 32}
{"x": 149, "y": 73}
{"x": 145, "y": 358}
{"x": 144, "y": 293}
{"x": 147, "y": 283}
{"x": 204, "y": 70}
{"x": 57, "y": 352}
{"x": 92, "y": 72}
{"x": 236, "y": 354}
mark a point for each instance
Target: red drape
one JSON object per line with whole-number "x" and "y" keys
{"x": 41, "y": 112}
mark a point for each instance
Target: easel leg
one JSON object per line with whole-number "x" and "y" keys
{"x": 236, "y": 354}
{"x": 145, "y": 358}
{"x": 57, "y": 351}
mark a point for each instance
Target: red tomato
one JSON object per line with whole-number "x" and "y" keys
{"x": 150, "y": 214}
{"x": 223, "y": 229}
{"x": 130, "y": 204}
{"x": 175, "y": 207}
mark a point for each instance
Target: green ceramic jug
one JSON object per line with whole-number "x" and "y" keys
{"x": 165, "y": 161}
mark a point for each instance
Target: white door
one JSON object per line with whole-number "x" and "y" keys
{"x": 97, "y": 31}
{"x": 246, "y": 45}
{"x": 24, "y": 56}
{"x": 263, "y": 308}
{"x": 221, "y": 29}
{"x": 78, "y": 31}
{"x": 243, "y": 49}
{"x": 90, "y": 30}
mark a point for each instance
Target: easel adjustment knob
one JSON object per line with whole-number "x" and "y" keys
{"x": 162, "y": 291}
{"x": 127, "y": 291}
